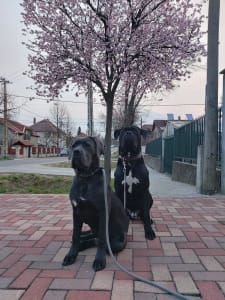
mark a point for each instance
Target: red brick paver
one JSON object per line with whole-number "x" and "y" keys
{"x": 188, "y": 255}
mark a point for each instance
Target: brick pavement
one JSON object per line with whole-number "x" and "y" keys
{"x": 187, "y": 256}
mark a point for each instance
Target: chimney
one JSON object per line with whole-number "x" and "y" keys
{"x": 34, "y": 120}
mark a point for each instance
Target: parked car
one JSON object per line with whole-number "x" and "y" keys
{"x": 64, "y": 152}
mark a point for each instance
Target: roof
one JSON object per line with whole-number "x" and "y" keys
{"x": 159, "y": 123}
{"x": 15, "y": 126}
{"x": 23, "y": 142}
{"x": 44, "y": 126}
{"x": 147, "y": 127}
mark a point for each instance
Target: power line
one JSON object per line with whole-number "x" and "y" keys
{"x": 100, "y": 103}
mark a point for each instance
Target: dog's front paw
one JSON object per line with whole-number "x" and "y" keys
{"x": 150, "y": 235}
{"x": 69, "y": 259}
{"x": 99, "y": 264}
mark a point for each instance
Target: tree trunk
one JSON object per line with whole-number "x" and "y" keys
{"x": 108, "y": 133}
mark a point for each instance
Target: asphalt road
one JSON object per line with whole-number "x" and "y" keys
{"x": 160, "y": 183}
{"x": 35, "y": 165}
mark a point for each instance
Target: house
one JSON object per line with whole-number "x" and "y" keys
{"x": 171, "y": 126}
{"x": 20, "y": 138}
{"x": 50, "y": 138}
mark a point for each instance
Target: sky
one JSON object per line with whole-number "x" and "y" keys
{"x": 188, "y": 98}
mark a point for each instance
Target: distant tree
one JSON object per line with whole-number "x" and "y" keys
{"x": 12, "y": 107}
{"x": 60, "y": 116}
{"x": 103, "y": 40}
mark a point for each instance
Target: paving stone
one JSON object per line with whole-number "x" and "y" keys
{"x": 189, "y": 256}
{"x": 210, "y": 290}
{"x": 88, "y": 295}
{"x": 103, "y": 280}
{"x": 170, "y": 249}
{"x": 37, "y": 289}
{"x": 25, "y": 279}
{"x": 11, "y": 294}
{"x": 70, "y": 284}
{"x": 122, "y": 289}
{"x": 160, "y": 272}
{"x": 184, "y": 283}
{"x": 55, "y": 295}
{"x": 211, "y": 264}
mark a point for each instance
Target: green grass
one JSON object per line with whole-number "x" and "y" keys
{"x": 36, "y": 184}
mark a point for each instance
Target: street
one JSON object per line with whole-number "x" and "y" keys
{"x": 35, "y": 165}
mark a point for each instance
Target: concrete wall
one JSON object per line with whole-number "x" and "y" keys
{"x": 184, "y": 172}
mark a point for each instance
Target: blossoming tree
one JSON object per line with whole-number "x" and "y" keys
{"x": 76, "y": 41}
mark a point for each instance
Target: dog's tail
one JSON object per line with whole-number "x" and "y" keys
{"x": 88, "y": 239}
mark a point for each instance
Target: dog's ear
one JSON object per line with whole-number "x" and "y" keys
{"x": 99, "y": 145}
{"x": 116, "y": 133}
{"x": 143, "y": 133}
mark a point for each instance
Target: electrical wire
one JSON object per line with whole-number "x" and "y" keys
{"x": 139, "y": 278}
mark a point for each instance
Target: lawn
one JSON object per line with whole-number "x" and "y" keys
{"x": 35, "y": 184}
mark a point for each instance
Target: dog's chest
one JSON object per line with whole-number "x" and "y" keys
{"x": 131, "y": 180}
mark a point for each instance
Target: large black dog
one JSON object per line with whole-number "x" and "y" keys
{"x": 87, "y": 199}
{"x": 138, "y": 199}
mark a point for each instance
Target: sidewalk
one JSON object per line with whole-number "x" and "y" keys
{"x": 187, "y": 256}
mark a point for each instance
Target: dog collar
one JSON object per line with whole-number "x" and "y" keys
{"x": 130, "y": 158}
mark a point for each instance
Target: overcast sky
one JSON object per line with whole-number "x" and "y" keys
{"x": 13, "y": 62}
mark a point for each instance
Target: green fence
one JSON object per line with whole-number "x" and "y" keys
{"x": 184, "y": 144}
{"x": 186, "y": 140}
{"x": 154, "y": 148}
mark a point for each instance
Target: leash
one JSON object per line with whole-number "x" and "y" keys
{"x": 125, "y": 184}
{"x": 139, "y": 278}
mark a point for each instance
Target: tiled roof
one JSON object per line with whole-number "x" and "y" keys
{"x": 15, "y": 126}
{"x": 44, "y": 126}
{"x": 22, "y": 142}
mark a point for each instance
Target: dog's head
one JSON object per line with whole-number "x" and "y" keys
{"x": 86, "y": 152}
{"x": 129, "y": 140}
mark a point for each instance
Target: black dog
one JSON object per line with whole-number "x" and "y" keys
{"x": 138, "y": 198}
{"x": 87, "y": 199}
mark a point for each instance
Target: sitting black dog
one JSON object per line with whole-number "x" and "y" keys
{"x": 87, "y": 199}
{"x": 138, "y": 199}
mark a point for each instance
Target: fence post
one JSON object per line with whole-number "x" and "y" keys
{"x": 199, "y": 168}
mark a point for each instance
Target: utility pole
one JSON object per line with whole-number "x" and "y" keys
{"x": 211, "y": 102}
{"x": 5, "y": 125}
{"x": 90, "y": 109}
{"x": 223, "y": 138}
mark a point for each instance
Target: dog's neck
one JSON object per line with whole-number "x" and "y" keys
{"x": 87, "y": 173}
{"x": 127, "y": 158}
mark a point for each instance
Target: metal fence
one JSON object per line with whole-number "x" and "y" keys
{"x": 187, "y": 138}
{"x": 154, "y": 148}
{"x": 184, "y": 144}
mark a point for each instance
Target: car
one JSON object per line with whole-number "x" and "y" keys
{"x": 64, "y": 152}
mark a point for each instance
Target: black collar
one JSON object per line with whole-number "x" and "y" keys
{"x": 130, "y": 158}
